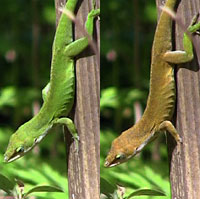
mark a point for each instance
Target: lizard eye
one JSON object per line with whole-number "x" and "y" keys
{"x": 20, "y": 149}
{"x": 120, "y": 156}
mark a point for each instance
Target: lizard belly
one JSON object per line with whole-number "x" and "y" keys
{"x": 60, "y": 97}
{"x": 62, "y": 89}
{"x": 162, "y": 94}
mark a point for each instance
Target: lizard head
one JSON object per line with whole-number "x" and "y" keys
{"x": 20, "y": 143}
{"x": 122, "y": 149}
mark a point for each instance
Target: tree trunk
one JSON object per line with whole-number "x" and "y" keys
{"x": 185, "y": 166}
{"x": 84, "y": 166}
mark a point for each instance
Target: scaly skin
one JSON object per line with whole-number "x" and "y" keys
{"x": 161, "y": 100}
{"x": 60, "y": 96}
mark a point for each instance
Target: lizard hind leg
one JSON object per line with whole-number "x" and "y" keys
{"x": 71, "y": 127}
{"x": 169, "y": 127}
{"x": 186, "y": 55}
{"x": 89, "y": 23}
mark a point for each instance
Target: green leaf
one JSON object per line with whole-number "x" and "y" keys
{"x": 106, "y": 187}
{"x": 139, "y": 181}
{"x": 43, "y": 188}
{"x": 5, "y": 184}
{"x": 49, "y": 14}
{"x": 8, "y": 96}
{"x": 109, "y": 98}
{"x": 146, "y": 192}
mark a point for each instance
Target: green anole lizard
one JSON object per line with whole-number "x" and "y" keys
{"x": 161, "y": 99}
{"x": 58, "y": 95}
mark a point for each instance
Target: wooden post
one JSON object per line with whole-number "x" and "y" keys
{"x": 185, "y": 166}
{"x": 84, "y": 166}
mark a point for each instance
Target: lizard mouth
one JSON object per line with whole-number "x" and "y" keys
{"x": 112, "y": 164}
{"x": 108, "y": 165}
{"x": 15, "y": 156}
{"x": 7, "y": 160}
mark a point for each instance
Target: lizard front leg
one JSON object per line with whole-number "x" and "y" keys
{"x": 178, "y": 56}
{"x": 169, "y": 127}
{"x": 71, "y": 127}
{"x": 79, "y": 45}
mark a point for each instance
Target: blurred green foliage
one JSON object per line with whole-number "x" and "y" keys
{"x": 17, "y": 189}
{"x": 127, "y": 29}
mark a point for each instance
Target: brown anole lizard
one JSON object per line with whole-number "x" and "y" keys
{"x": 162, "y": 94}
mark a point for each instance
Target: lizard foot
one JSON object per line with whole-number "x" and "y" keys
{"x": 194, "y": 26}
{"x": 94, "y": 13}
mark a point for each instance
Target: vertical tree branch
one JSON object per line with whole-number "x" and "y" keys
{"x": 185, "y": 166}
{"x": 58, "y": 4}
{"x": 83, "y": 167}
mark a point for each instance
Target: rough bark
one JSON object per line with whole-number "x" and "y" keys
{"x": 58, "y": 4}
{"x": 84, "y": 166}
{"x": 185, "y": 166}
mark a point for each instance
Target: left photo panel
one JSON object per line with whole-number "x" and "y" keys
{"x": 50, "y": 99}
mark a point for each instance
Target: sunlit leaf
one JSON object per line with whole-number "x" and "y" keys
{"x": 133, "y": 179}
{"x": 8, "y": 96}
{"x": 11, "y": 96}
{"x": 49, "y": 14}
{"x": 43, "y": 189}
{"x": 146, "y": 192}
{"x": 109, "y": 98}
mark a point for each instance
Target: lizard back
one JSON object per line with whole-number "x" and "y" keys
{"x": 161, "y": 100}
